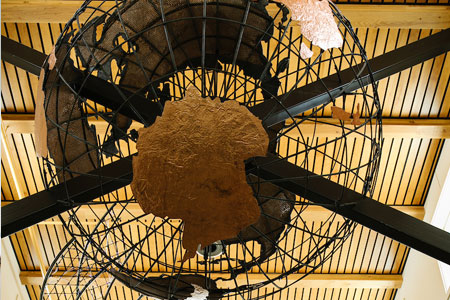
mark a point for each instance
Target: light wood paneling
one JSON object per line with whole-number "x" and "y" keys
{"x": 312, "y": 281}
{"x": 314, "y": 213}
{"x": 371, "y": 15}
{"x": 397, "y": 16}
{"x": 122, "y": 292}
{"x": 392, "y": 128}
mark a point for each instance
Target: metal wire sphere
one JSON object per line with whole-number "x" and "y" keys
{"x": 234, "y": 50}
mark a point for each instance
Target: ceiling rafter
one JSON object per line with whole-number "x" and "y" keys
{"x": 392, "y": 127}
{"x": 376, "y": 281}
{"x": 312, "y": 214}
{"x": 370, "y": 15}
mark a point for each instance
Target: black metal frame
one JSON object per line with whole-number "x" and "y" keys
{"x": 386, "y": 220}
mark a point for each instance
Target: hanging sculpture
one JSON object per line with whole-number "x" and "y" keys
{"x": 184, "y": 89}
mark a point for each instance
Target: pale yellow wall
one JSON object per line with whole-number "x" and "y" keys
{"x": 11, "y": 288}
{"x": 422, "y": 278}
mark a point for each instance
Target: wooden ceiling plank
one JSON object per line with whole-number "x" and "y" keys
{"x": 397, "y": 16}
{"x": 311, "y": 214}
{"x": 392, "y": 128}
{"x": 310, "y": 281}
{"x": 442, "y": 94}
{"x": 368, "y": 15}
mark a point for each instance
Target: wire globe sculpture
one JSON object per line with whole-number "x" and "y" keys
{"x": 232, "y": 50}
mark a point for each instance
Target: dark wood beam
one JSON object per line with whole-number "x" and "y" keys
{"x": 22, "y": 56}
{"x": 352, "y": 205}
{"x": 331, "y": 87}
{"x": 91, "y": 87}
{"x": 64, "y": 196}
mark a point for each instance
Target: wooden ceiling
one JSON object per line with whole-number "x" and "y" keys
{"x": 416, "y": 111}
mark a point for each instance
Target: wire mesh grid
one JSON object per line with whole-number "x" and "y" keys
{"x": 234, "y": 50}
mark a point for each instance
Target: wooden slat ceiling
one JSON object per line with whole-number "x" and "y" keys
{"x": 418, "y": 96}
